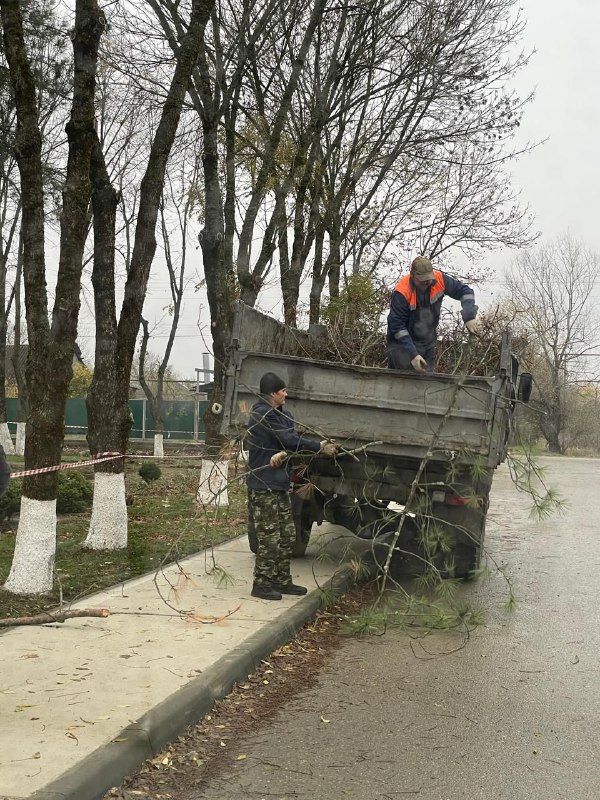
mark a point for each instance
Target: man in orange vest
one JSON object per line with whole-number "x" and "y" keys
{"x": 415, "y": 314}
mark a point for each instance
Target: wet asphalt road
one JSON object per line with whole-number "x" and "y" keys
{"x": 513, "y": 715}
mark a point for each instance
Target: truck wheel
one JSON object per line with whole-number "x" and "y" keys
{"x": 468, "y": 525}
{"x": 342, "y": 510}
{"x": 252, "y": 540}
{"x": 303, "y": 529}
{"x": 525, "y": 387}
{"x": 467, "y": 559}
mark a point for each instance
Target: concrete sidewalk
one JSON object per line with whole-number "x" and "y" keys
{"x": 84, "y": 702}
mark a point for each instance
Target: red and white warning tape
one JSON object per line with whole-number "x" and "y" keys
{"x": 109, "y": 456}
{"x": 97, "y": 460}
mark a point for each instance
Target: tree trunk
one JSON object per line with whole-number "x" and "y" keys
{"x": 551, "y": 426}
{"x": 333, "y": 266}
{"x": 16, "y": 357}
{"x": 302, "y": 244}
{"x": 154, "y": 399}
{"x": 51, "y": 347}
{"x": 318, "y": 280}
{"x": 108, "y": 414}
{"x": 219, "y": 283}
{"x": 110, "y": 391}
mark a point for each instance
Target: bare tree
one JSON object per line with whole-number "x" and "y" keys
{"x": 47, "y": 38}
{"x": 51, "y": 343}
{"x": 225, "y": 97}
{"x": 333, "y": 132}
{"x": 108, "y": 411}
{"x": 397, "y": 134}
{"x": 550, "y": 289}
{"x": 178, "y": 199}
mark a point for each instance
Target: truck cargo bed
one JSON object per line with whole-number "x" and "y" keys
{"x": 407, "y": 415}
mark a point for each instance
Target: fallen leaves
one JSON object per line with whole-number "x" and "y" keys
{"x": 216, "y": 741}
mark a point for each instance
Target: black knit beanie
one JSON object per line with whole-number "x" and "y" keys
{"x": 270, "y": 383}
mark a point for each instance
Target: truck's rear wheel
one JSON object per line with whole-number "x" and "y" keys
{"x": 303, "y": 529}
{"x": 449, "y": 538}
{"x": 466, "y": 527}
{"x": 467, "y": 559}
{"x": 342, "y": 510}
{"x": 252, "y": 538}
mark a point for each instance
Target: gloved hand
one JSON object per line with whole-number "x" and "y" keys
{"x": 419, "y": 363}
{"x": 278, "y": 459}
{"x": 473, "y": 327}
{"x": 329, "y": 448}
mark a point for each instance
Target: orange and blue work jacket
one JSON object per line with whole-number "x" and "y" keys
{"x": 414, "y": 315}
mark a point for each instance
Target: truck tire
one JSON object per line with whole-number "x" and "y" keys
{"x": 412, "y": 561}
{"x": 342, "y": 510}
{"x": 303, "y": 529}
{"x": 464, "y": 526}
{"x": 467, "y": 559}
{"x": 468, "y": 525}
{"x": 252, "y": 539}
{"x": 525, "y": 387}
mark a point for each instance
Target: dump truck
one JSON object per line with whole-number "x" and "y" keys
{"x": 417, "y": 451}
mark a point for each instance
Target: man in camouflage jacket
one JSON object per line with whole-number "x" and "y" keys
{"x": 270, "y": 437}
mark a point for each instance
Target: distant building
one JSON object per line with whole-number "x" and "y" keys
{"x": 23, "y": 351}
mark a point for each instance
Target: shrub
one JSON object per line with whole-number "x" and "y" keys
{"x": 10, "y": 502}
{"x": 75, "y": 494}
{"x": 149, "y": 472}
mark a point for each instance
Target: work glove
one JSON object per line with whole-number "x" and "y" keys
{"x": 277, "y": 459}
{"x": 419, "y": 363}
{"x": 329, "y": 448}
{"x": 473, "y": 327}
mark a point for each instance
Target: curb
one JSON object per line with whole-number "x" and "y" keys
{"x": 111, "y": 763}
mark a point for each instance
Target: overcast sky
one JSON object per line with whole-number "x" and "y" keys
{"x": 559, "y": 180}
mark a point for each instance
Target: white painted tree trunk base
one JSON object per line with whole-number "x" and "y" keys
{"x": 159, "y": 450}
{"x": 212, "y": 490}
{"x": 33, "y": 560}
{"x": 108, "y": 526}
{"x": 20, "y": 439}
{"x": 6, "y": 439}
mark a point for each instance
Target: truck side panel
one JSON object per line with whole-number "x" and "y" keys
{"x": 405, "y": 414}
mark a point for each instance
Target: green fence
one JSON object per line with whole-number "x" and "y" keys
{"x": 182, "y": 419}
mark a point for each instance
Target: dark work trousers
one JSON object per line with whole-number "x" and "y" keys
{"x": 399, "y": 358}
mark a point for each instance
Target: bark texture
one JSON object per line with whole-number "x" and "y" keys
{"x": 109, "y": 420}
{"x": 51, "y": 343}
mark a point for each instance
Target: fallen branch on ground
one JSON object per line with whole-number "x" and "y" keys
{"x": 57, "y": 616}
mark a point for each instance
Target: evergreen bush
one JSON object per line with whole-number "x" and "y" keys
{"x": 149, "y": 472}
{"x": 10, "y": 502}
{"x": 75, "y": 494}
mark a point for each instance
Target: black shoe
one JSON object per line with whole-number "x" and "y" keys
{"x": 290, "y": 588}
{"x": 266, "y": 592}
